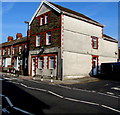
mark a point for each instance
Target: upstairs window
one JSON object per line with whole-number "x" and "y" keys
{"x": 94, "y": 42}
{"x": 20, "y": 48}
{"x": 46, "y": 18}
{"x": 0, "y": 52}
{"x": 37, "y": 40}
{"x": 4, "y": 51}
{"x": 8, "y": 51}
{"x": 41, "y": 20}
{"x": 40, "y": 63}
{"x": 13, "y": 51}
{"x": 48, "y": 38}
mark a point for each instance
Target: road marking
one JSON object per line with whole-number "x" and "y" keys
{"x": 55, "y": 94}
{"x": 71, "y": 99}
{"x": 8, "y": 100}
{"x": 116, "y": 88}
{"x": 110, "y": 108}
{"x": 110, "y": 93}
{"x": 89, "y": 91}
{"x": 23, "y": 85}
{"x": 23, "y": 111}
{"x": 11, "y": 105}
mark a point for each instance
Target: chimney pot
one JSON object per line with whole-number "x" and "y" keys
{"x": 10, "y": 38}
{"x": 18, "y": 35}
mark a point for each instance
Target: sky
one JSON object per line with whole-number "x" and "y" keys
{"x": 15, "y": 13}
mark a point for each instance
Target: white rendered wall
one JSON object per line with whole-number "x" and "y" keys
{"x": 78, "y": 51}
{"x": 76, "y": 65}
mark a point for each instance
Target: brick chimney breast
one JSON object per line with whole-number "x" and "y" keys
{"x": 10, "y": 38}
{"x": 18, "y": 35}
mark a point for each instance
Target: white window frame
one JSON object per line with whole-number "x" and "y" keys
{"x": 20, "y": 48}
{"x": 41, "y": 20}
{"x": 95, "y": 42}
{"x": 46, "y": 18}
{"x": 40, "y": 62}
{"x": 4, "y": 62}
{"x": 51, "y": 62}
{"x": 8, "y": 51}
{"x": 38, "y": 40}
{"x": 0, "y": 52}
{"x": 13, "y": 50}
{"x": 48, "y": 36}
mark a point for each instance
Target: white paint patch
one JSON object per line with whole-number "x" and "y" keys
{"x": 116, "y": 88}
{"x": 110, "y": 93}
{"x": 110, "y": 108}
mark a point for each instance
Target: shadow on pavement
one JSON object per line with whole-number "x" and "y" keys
{"x": 23, "y": 100}
{"x": 108, "y": 77}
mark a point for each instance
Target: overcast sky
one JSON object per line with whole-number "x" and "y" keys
{"x": 15, "y": 13}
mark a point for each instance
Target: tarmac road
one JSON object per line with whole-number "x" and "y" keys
{"x": 42, "y": 98}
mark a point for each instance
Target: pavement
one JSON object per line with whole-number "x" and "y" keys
{"x": 49, "y": 81}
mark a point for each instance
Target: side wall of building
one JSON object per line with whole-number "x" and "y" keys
{"x": 78, "y": 50}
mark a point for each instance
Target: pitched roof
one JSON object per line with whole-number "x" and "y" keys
{"x": 66, "y": 11}
{"x": 108, "y": 38}
{"x": 20, "y": 40}
{"x": 76, "y": 13}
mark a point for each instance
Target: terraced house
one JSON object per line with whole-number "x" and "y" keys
{"x": 67, "y": 44}
{"x": 14, "y": 55}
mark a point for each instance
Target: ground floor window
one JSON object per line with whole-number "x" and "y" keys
{"x": 4, "y": 62}
{"x": 52, "y": 62}
{"x": 40, "y": 63}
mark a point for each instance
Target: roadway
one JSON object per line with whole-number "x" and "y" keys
{"x": 43, "y": 98}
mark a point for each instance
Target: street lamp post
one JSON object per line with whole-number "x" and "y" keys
{"x": 27, "y": 52}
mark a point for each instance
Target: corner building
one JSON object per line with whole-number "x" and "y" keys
{"x": 67, "y": 44}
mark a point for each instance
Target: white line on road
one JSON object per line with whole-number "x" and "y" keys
{"x": 110, "y": 108}
{"x": 116, "y": 88}
{"x": 55, "y": 94}
{"x": 71, "y": 99}
{"x": 110, "y": 93}
{"x": 11, "y": 105}
{"x": 107, "y": 95}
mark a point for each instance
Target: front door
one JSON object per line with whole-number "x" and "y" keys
{"x": 95, "y": 65}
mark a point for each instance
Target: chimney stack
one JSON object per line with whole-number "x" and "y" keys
{"x": 10, "y": 38}
{"x": 18, "y": 35}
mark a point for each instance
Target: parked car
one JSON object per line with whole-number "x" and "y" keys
{"x": 111, "y": 70}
